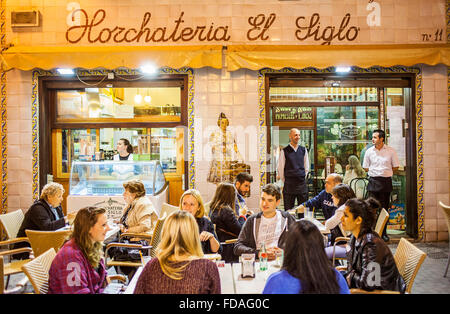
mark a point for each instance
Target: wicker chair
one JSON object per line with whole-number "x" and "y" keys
{"x": 11, "y": 223}
{"x": 408, "y": 259}
{"x": 157, "y": 234}
{"x": 41, "y": 241}
{"x": 446, "y": 210}
{"x": 207, "y": 207}
{"x": 382, "y": 220}
{"x": 37, "y": 271}
{"x": 168, "y": 209}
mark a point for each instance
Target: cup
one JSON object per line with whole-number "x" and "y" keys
{"x": 308, "y": 213}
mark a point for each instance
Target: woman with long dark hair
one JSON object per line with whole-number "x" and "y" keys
{"x": 306, "y": 268}
{"x": 223, "y": 215}
{"x": 371, "y": 264}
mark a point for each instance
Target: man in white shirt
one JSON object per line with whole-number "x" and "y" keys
{"x": 293, "y": 167}
{"x": 380, "y": 161}
{"x": 269, "y": 226}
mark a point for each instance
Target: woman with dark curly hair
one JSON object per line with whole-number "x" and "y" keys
{"x": 371, "y": 264}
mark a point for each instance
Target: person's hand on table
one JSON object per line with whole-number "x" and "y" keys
{"x": 300, "y": 209}
{"x": 123, "y": 229}
{"x": 70, "y": 218}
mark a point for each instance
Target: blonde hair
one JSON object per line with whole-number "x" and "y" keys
{"x": 50, "y": 189}
{"x": 354, "y": 164}
{"x": 196, "y": 194}
{"x": 86, "y": 218}
{"x": 180, "y": 244}
{"x": 135, "y": 186}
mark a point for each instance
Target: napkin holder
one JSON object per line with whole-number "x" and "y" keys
{"x": 247, "y": 265}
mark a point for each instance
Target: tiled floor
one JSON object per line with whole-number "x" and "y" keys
{"x": 428, "y": 280}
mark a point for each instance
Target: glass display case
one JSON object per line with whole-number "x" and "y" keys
{"x": 100, "y": 178}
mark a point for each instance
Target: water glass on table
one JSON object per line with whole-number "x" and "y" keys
{"x": 309, "y": 214}
{"x": 279, "y": 256}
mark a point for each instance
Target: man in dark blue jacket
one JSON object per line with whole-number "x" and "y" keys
{"x": 323, "y": 200}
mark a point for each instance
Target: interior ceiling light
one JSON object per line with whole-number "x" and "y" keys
{"x": 343, "y": 69}
{"x": 148, "y": 69}
{"x": 138, "y": 98}
{"x": 148, "y": 98}
{"x": 65, "y": 71}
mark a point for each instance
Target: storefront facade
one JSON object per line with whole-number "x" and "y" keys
{"x": 245, "y": 60}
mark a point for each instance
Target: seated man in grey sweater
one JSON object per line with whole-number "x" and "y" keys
{"x": 269, "y": 226}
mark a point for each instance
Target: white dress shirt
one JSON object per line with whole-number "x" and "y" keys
{"x": 380, "y": 162}
{"x": 282, "y": 161}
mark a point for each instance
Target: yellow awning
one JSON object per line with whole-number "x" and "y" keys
{"x": 46, "y": 58}
{"x": 256, "y": 57}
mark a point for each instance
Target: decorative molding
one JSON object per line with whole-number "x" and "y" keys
{"x": 97, "y": 72}
{"x": 419, "y": 122}
{"x": 3, "y": 113}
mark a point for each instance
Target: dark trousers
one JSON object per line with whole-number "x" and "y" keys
{"x": 289, "y": 200}
{"x": 384, "y": 198}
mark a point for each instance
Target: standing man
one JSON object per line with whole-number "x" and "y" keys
{"x": 380, "y": 161}
{"x": 293, "y": 166}
{"x": 242, "y": 185}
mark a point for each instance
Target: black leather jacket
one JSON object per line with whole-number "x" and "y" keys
{"x": 371, "y": 265}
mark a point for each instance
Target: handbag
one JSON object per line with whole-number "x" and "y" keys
{"x": 127, "y": 254}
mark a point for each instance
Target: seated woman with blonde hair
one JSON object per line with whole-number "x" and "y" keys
{"x": 179, "y": 266}
{"x": 79, "y": 267}
{"x": 192, "y": 202}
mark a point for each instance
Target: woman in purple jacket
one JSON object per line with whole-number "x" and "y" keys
{"x": 79, "y": 268}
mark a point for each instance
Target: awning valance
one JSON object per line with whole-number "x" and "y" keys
{"x": 256, "y": 57}
{"x": 46, "y": 58}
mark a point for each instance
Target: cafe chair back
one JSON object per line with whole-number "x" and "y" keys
{"x": 446, "y": 210}
{"x": 11, "y": 223}
{"x": 408, "y": 259}
{"x": 207, "y": 206}
{"x": 382, "y": 220}
{"x": 359, "y": 186}
{"x": 37, "y": 271}
{"x": 168, "y": 209}
{"x": 41, "y": 241}
{"x": 156, "y": 238}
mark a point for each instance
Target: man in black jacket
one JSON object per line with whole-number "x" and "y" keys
{"x": 45, "y": 214}
{"x": 269, "y": 226}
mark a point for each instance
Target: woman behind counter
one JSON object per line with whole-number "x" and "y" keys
{"x": 124, "y": 149}
{"x": 192, "y": 202}
{"x": 79, "y": 268}
{"x": 179, "y": 266}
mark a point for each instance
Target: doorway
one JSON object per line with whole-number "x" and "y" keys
{"x": 343, "y": 116}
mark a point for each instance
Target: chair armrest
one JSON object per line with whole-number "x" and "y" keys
{"x": 15, "y": 240}
{"x": 361, "y": 291}
{"x": 16, "y": 251}
{"x": 340, "y": 239}
{"x": 141, "y": 235}
{"x": 230, "y": 241}
{"x": 127, "y": 245}
{"x": 121, "y": 278}
{"x": 341, "y": 268}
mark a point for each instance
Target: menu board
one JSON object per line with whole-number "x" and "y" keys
{"x": 293, "y": 113}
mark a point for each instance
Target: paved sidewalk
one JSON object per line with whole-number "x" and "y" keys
{"x": 430, "y": 278}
